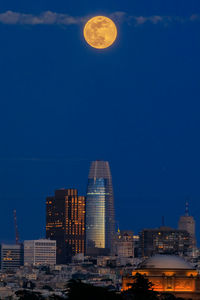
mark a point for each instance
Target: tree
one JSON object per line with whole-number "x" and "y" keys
{"x": 79, "y": 290}
{"x": 56, "y": 297}
{"x": 47, "y": 287}
{"x": 140, "y": 289}
{"x": 168, "y": 296}
{"x": 28, "y": 295}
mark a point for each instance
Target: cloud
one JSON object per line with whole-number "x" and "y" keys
{"x": 52, "y": 18}
{"x": 155, "y": 19}
{"x": 46, "y": 18}
{"x": 194, "y": 18}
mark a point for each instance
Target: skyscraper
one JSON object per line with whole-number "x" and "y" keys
{"x": 100, "y": 220}
{"x": 65, "y": 223}
{"x": 187, "y": 223}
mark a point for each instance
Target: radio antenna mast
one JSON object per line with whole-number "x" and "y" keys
{"x": 16, "y": 228}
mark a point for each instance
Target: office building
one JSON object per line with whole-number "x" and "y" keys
{"x": 136, "y": 241}
{"x": 39, "y": 252}
{"x": 164, "y": 240}
{"x": 100, "y": 220}
{"x": 187, "y": 223}
{"x": 11, "y": 256}
{"x": 65, "y": 223}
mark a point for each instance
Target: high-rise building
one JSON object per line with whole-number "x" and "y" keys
{"x": 136, "y": 240}
{"x": 100, "y": 220}
{"x": 11, "y": 256}
{"x": 39, "y": 252}
{"x": 65, "y": 223}
{"x": 187, "y": 223}
{"x": 164, "y": 240}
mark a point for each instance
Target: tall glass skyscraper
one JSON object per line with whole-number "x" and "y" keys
{"x": 100, "y": 219}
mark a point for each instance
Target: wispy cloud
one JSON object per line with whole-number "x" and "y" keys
{"x": 165, "y": 20}
{"x": 45, "y": 18}
{"x": 53, "y": 18}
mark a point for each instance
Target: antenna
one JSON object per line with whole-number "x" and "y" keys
{"x": 16, "y": 228}
{"x": 186, "y": 208}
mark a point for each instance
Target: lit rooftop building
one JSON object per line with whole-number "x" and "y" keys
{"x": 169, "y": 274}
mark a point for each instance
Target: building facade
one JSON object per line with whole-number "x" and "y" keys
{"x": 169, "y": 274}
{"x": 39, "y": 252}
{"x": 164, "y": 240}
{"x": 12, "y": 256}
{"x": 65, "y": 223}
{"x": 124, "y": 244}
{"x": 100, "y": 220}
{"x": 187, "y": 223}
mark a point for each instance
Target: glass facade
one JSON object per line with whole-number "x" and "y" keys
{"x": 100, "y": 224}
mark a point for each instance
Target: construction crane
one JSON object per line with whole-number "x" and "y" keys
{"x": 16, "y": 228}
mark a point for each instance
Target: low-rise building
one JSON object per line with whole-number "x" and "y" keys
{"x": 169, "y": 274}
{"x": 11, "y": 256}
{"x": 39, "y": 252}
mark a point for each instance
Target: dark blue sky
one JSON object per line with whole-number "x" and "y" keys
{"x": 64, "y": 104}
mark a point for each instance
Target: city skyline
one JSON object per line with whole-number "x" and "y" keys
{"x": 117, "y": 224}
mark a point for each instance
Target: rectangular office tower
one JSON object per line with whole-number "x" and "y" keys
{"x": 164, "y": 240}
{"x": 11, "y": 256}
{"x": 65, "y": 223}
{"x": 39, "y": 252}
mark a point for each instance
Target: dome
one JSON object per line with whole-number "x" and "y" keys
{"x": 166, "y": 262}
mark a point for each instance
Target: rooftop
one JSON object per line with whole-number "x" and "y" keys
{"x": 166, "y": 262}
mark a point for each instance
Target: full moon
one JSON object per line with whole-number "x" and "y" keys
{"x": 100, "y": 32}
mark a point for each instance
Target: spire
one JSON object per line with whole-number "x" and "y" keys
{"x": 118, "y": 230}
{"x": 186, "y": 208}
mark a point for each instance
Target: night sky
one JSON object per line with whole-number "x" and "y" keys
{"x": 64, "y": 104}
